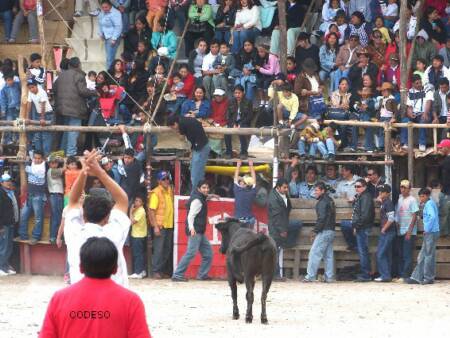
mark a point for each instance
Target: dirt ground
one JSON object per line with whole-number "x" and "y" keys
{"x": 203, "y": 309}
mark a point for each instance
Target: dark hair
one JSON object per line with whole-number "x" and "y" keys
{"x": 38, "y": 152}
{"x": 280, "y": 182}
{"x": 92, "y": 73}
{"x": 98, "y": 257}
{"x": 344, "y": 79}
{"x": 74, "y": 62}
{"x": 290, "y": 58}
{"x": 202, "y": 182}
{"x": 321, "y": 185}
{"x": 340, "y": 13}
{"x": 438, "y": 57}
{"x": 176, "y": 74}
{"x": 106, "y": 2}
{"x": 429, "y": 10}
{"x": 71, "y": 159}
{"x": 362, "y": 181}
{"x": 349, "y": 167}
{"x": 443, "y": 81}
{"x": 311, "y": 167}
{"x": 250, "y": 4}
{"x": 8, "y": 75}
{"x": 239, "y": 87}
{"x": 337, "y": 42}
{"x": 424, "y": 191}
{"x": 214, "y": 42}
{"x": 375, "y": 170}
{"x": 35, "y": 56}
{"x": 64, "y": 64}
{"x": 416, "y": 77}
{"x": 172, "y": 119}
{"x": 112, "y": 68}
{"x": 183, "y": 65}
{"x": 197, "y": 42}
{"x": 203, "y": 90}
{"x": 129, "y": 152}
{"x": 96, "y": 208}
{"x": 223, "y": 43}
{"x": 286, "y": 87}
{"x": 422, "y": 60}
{"x": 142, "y": 19}
{"x": 333, "y": 125}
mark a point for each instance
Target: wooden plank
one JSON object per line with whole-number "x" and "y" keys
{"x": 296, "y": 263}
{"x": 11, "y": 50}
{"x": 443, "y": 271}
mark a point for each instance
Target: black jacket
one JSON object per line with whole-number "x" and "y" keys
{"x": 326, "y": 214}
{"x": 200, "y": 219}
{"x": 226, "y": 18}
{"x": 355, "y": 75}
{"x": 244, "y": 58}
{"x": 278, "y": 215}
{"x": 6, "y": 209}
{"x": 294, "y": 14}
{"x": 133, "y": 37}
{"x": 246, "y": 110}
{"x": 301, "y": 54}
{"x": 194, "y": 132}
{"x": 363, "y": 211}
{"x": 7, "y": 5}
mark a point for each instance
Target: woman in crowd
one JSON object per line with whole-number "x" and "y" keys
{"x": 165, "y": 37}
{"x": 267, "y": 65}
{"x": 225, "y": 17}
{"x": 110, "y": 30}
{"x": 196, "y": 57}
{"x": 198, "y": 106}
{"x": 136, "y": 84}
{"x": 377, "y": 48}
{"x": 327, "y": 55}
{"x": 143, "y": 52}
{"x": 117, "y": 73}
{"x": 140, "y": 32}
{"x": 329, "y": 11}
{"x": 359, "y": 26}
{"x": 434, "y": 27}
{"x": 201, "y": 25}
{"x": 244, "y": 71}
{"x": 339, "y": 108}
{"x": 188, "y": 81}
{"x": 247, "y": 25}
{"x": 101, "y": 79}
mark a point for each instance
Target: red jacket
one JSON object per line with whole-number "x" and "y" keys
{"x": 189, "y": 84}
{"x": 219, "y": 111}
{"x": 108, "y": 102}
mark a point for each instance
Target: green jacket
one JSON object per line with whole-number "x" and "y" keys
{"x": 206, "y": 14}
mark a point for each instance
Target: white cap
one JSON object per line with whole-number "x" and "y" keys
{"x": 5, "y": 177}
{"x": 219, "y": 92}
{"x": 163, "y": 51}
{"x": 104, "y": 161}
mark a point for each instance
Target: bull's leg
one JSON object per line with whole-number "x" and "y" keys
{"x": 249, "y": 284}
{"x": 233, "y": 287}
{"x": 266, "y": 282}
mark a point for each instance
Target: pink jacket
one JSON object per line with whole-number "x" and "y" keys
{"x": 272, "y": 67}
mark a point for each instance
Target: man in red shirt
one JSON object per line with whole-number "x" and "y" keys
{"x": 96, "y": 306}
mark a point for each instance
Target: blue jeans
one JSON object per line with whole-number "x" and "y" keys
{"x": 405, "y": 250}
{"x": 199, "y": 159}
{"x": 43, "y": 140}
{"x": 343, "y": 130}
{"x": 35, "y": 203}
{"x": 111, "y": 51}
{"x": 11, "y": 115}
{"x": 322, "y": 248}
{"x": 425, "y": 270}
{"x": 70, "y": 138}
{"x": 239, "y": 37}
{"x": 347, "y": 231}
{"x": 6, "y": 245}
{"x": 422, "y": 131}
{"x": 7, "y": 17}
{"x": 223, "y": 35}
{"x": 197, "y": 243}
{"x": 380, "y": 133}
{"x": 362, "y": 241}
{"x": 327, "y": 148}
{"x": 384, "y": 254}
{"x": 339, "y": 74}
{"x": 323, "y": 74}
{"x": 175, "y": 106}
{"x": 138, "y": 252}
{"x": 125, "y": 21}
{"x": 56, "y": 207}
{"x": 162, "y": 247}
{"x": 312, "y": 148}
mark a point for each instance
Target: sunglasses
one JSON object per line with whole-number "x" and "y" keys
{"x": 166, "y": 179}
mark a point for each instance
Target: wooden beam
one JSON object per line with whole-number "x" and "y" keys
{"x": 282, "y": 27}
{"x": 410, "y": 155}
{"x": 388, "y": 153}
{"x": 40, "y": 18}
{"x": 403, "y": 60}
{"x": 22, "y": 153}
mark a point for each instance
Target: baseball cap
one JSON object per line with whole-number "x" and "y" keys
{"x": 219, "y": 92}
{"x": 444, "y": 143}
{"x": 405, "y": 183}
{"x": 248, "y": 180}
{"x": 5, "y": 177}
{"x": 105, "y": 160}
{"x": 384, "y": 188}
{"x": 162, "y": 174}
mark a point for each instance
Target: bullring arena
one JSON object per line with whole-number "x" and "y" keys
{"x": 294, "y": 309}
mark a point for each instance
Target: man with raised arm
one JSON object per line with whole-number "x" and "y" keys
{"x": 99, "y": 217}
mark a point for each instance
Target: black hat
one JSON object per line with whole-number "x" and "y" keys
{"x": 384, "y": 188}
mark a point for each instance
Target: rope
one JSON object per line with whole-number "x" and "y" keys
{"x": 20, "y": 124}
{"x": 147, "y": 128}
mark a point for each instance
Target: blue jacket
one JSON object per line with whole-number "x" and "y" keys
{"x": 327, "y": 58}
{"x": 168, "y": 40}
{"x": 430, "y": 217}
{"x": 10, "y": 97}
{"x": 110, "y": 24}
{"x": 203, "y": 111}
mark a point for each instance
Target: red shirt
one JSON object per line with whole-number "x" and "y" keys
{"x": 95, "y": 308}
{"x": 219, "y": 111}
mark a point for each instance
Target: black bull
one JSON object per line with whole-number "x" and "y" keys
{"x": 248, "y": 255}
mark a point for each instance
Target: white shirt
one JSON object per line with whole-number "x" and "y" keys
{"x": 314, "y": 83}
{"x": 445, "y": 73}
{"x": 248, "y": 18}
{"x": 38, "y": 98}
{"x": 208, "y": 61}
{"x": 390, "y": 10}
{"x": 444, "y": 104}
{"x": 283, "y": 196}
{"x": 76, "y": 232}
{"x": 90, "y": 84}
{"x": 418, "y": 105}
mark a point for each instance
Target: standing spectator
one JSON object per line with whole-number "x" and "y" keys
{"x": 160, "y": 215}
{"x": 346, "y": 58}
{"x": 434, "y": 27}
{"x": 9, "y": 216}
{"x": 425, "y": 270}
{"x": 10, "y": 104}
{"x": 123, "y": 6}
{"x": 131, "y": 176}
{"x": 110, "y": 30}
{"x": 27, "y": 11}
{"x": 406, "y": 218}
{"x": 339, "y": 108}
{"x": 362, "y": 222}
{"x": 138, "y": 237}
{"x": 111, "y": 169}
{"x": 244, "y": 189}
{"x": 35, "y": 71}
{"x": 42, "y": 112}
{"x": 327, "y": 56}
{"x": 224, "y": 21}
{"x": 196, "y": 57}
{"x": 359, "y": 26}
{"x": 73, "y": 170}
{"x": 35, "y": 198}
{"x": 194, "y": 132}
{"x": 98, "y": 261}
{"x": 322, "y": 236}
{"x": 247, "y": 25}
{"x": 201, "y": 26}
{"x": 387, "y": 234}
{"x": 295, "y": 13}
{"x": 156, "y": 11}
{"x": 140, "y": 32}
{"x": 196, "y": 222}
{"x": 223, "y": 65}
{"x": 71, "y": 92}
{"x": 374, "y": 181}
{"x": 93, "y": 7}
{"x": 7, "y": 9}
{"x": 164, "y": 36}
{"x": 239, "y": 115}
{"x": 55, "y": 186}
{"x": 208, "y": 70}
{"x": 306, "y": 50}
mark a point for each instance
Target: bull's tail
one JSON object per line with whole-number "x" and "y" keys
{"x": 260, "y": 238}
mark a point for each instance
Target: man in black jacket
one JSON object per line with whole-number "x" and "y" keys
{"x": 359, "y": 69}
{"x": 194, "y": 132}
{"x": 362, "y": 222}
{"x": 239, "y": 114}
{"x": 322, "y": 236}
{"x": 9, "y": 215}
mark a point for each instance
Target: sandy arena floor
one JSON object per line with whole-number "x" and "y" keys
{"x": 203, "y": 309}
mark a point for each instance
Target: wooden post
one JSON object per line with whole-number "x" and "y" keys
{"x": 275, "y": 138}
{"x": 403, "y": 59}
{"x": 411, "y": 155}
{"x": 22, "y": 153}
{"x": 177, "y": 178}
{"x": 40, "y": 17}
{"x": 282, "y": 27}
{"x": 387, "y": 153}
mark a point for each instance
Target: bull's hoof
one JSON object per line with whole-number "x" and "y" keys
{"x": 235, "y": 316}
{"x": 248, "y": 320}
{"x": 264, "y": 321}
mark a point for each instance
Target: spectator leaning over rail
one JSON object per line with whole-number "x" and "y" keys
{"x": 362, "y": 221}
{"x": 322, "y": 236}
{"x": 425, "y": 270}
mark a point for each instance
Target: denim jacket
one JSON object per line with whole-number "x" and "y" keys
{"x": 110, "y": 24}
{"x": 10, "y": 97}
{"x": 327, "y": 58}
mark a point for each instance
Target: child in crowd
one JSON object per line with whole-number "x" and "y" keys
{"x": 10, "y": 104}
{"x": 291, "y": 68}
{"x": 379, "y": 25}
{"x": 329, "y": 11}
{"x": 73, "y": 170}
{"x": 341, "y": 22}
{"x": 90, "y": 80}
{"x": 390, "y": 13}
{"x": 138, "y": 219}
{"x": 42, "y": 112}
{"x": 224, "y": 63}
{"x": 110, "y": 96}
{"x": 176, "y": 97}
{"x": 330, "y": 135}
{"x": 365, "y": 109}
{"x": 421, "y": 67}
{"x": 287, "y": 109}
{"x": 387, "y": 109}
{"x": 36, "y": 72}
{"x": 311, "y": 136}
{"x": 55, "y": 185}
{"x": 208, "y": 69}
{"x": 247, "y": 80}
{"x": 267, "y": 67}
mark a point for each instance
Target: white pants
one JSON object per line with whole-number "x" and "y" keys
{"x": 79, "y": 5}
